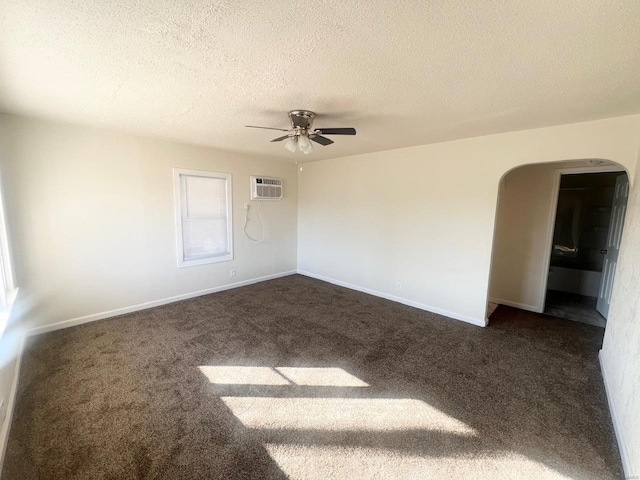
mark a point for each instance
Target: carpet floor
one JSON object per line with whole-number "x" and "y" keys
{"x": 297, "y": 378}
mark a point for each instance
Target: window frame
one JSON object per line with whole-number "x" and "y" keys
{"x": 8, "y": 289}
{"x": 180, "y": 199}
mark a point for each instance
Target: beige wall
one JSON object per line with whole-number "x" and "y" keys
{"x": 526, "y": 203}
{"x": 620, "y": 355}
{"x": 522, "y": 219}
{"x": 424, "y": 216}
{"x": 91, "y": 218}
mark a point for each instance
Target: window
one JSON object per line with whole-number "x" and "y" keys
{"x": 203, "y": 217}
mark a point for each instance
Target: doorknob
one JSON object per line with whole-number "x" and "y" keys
{"x": 603, "y": 252}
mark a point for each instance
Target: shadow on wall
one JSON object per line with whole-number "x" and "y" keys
{"x": 317, "y": 381}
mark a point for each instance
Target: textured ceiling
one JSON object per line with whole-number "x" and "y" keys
{"x": 401, "y": 72}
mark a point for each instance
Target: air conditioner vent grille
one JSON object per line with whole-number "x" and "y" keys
{"x": 266, "y": 188}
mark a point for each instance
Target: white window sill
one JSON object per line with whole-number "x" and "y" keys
{"x": 204, "y": 261}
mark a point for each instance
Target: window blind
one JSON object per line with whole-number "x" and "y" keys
{"x": 204, "y": 217}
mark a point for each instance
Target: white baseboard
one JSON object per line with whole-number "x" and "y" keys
{"x": 393, "y": 298}
{"x": 155, "y": 303}
{"x": 521, "y": 306}
{"x": 11, "y": 401}
{"x": 622, "y": 445}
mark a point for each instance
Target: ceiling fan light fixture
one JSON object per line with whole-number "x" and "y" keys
{"x": 305, "y": 144}
{"x": 291, "y": 144}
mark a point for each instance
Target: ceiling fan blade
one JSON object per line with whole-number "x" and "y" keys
{"x": 321, "y": 140}
{"x": 337, "y": 131}
{"x": 279, "y": 139}
{"x": 269, "y": 128}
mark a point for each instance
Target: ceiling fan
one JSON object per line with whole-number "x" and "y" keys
{"x": 301, "y": 133}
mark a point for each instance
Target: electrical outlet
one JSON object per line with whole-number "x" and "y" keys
{"x": 398, "y": 286}
{"x": 232, "y": 273}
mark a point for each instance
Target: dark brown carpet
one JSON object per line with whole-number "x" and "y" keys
{"x": 125, "y": 398}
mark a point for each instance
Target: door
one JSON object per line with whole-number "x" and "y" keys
{"x": 614, "y": 237}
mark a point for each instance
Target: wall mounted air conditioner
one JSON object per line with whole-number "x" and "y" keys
{"x": 266, "y": 188}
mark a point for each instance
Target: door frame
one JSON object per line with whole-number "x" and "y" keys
{"x": 551, "y": 219}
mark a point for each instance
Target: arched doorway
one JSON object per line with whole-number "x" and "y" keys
{"x": 557, "y": 233}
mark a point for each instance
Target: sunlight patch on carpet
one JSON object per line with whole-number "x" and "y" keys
{"x": 355, "y": 414}
{"x": 321, "y": 377}
{"x": 305, "y": 376}
{"x": 321, "y": 462}
{"x": 227, "y": 375}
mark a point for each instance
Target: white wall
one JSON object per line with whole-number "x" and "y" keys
{"x": 91, "y": 218}
{"x": 620, "y": 355}
{"x": 424, "y": 216}
{"x": 522, "y": 220}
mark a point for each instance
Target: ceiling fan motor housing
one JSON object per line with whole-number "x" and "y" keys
{"x": 302, "y": 119}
